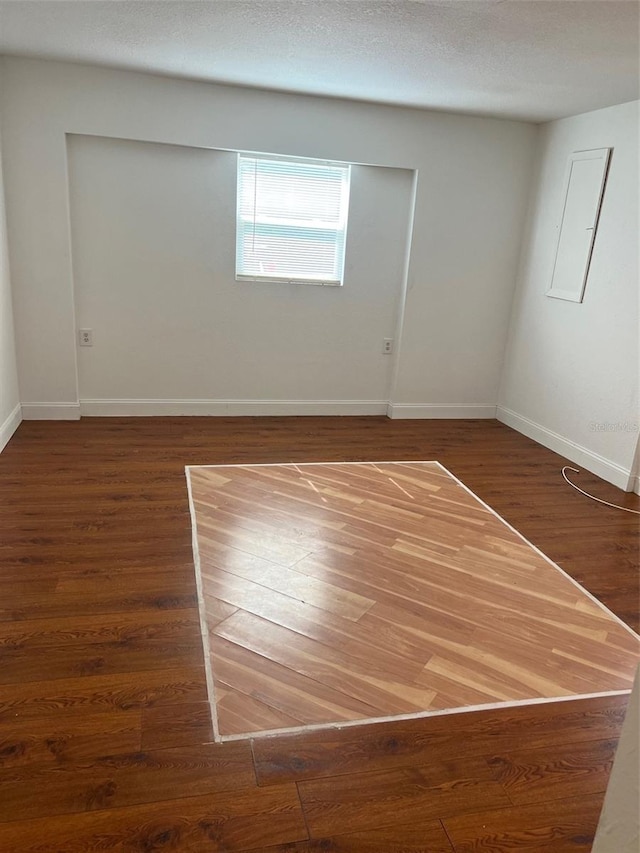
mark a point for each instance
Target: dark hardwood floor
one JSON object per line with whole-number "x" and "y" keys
{"x": 104, "y": 724}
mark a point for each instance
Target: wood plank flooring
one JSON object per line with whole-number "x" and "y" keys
{"x": 95, "y": 544}
{"x": 335, "y": 593}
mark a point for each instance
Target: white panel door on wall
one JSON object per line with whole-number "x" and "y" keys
{"x": 582, "y": 197}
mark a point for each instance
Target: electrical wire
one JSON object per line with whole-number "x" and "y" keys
{"x": 593, "y": 497}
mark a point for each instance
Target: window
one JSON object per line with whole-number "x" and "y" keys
{"x": 291, "y": 220}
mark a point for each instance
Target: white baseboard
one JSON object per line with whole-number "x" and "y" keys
{"x": 9, "y": 426}
{"x": 51, "y": 411}
{"x": 605, "y": 468}
{"x": 399, "y": 411}
{"x": 253, "y": 408}
{"x": 635, "y": 485}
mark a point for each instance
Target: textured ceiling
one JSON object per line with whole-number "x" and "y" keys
{"x": 531, "y": 59}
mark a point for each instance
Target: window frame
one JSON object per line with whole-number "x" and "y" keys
{"x": 344, "y": 209}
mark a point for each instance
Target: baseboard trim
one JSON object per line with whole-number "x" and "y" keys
{"x": 635, "y": 485}
{"x": 9, "y": 426}
{"x": 231, "y": 408}
{"x": 605, "y": 468}
{"x": 399, "y": 411}
{"x": 51, "y": 411}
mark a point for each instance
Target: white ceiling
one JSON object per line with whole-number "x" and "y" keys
{"x": 530, "y": 59}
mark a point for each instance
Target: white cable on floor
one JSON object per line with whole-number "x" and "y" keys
{"x": 593, "y": 497}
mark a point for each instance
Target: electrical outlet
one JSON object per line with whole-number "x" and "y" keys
{"x": 387, "y": 346}
{"x": 85, "y": 337}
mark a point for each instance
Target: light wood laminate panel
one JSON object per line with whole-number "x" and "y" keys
{"x": 341, "y": 592}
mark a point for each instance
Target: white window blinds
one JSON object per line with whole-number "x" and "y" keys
{"x": 291, "y": 220}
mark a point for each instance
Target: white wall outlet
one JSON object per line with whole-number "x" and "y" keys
{"x": 387, "y": 346}
{"x": 85, "y": 337}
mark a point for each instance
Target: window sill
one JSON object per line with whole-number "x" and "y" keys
{"x": 258, "y": 279}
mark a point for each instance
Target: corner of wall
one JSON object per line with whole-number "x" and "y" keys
{"x": 567, "y": 367}
{"x": 10, "y": 425}
{"x": 634, "y": 478}
{"x": 10, "y": 409}
{"x": 525, "y": 234}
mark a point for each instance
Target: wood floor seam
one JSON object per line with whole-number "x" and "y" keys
{"x": 304, "y": 816}
{"x": 444, "y": 829}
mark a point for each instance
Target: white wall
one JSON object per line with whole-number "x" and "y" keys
{"x": 10, "y": 415}
{"x": 469, "y": 209}
{"x": 635, "y": 470}
{"x": 618, "y": 830}
{"x": 571, "y": 370}
{"x": 153, "y": 246}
